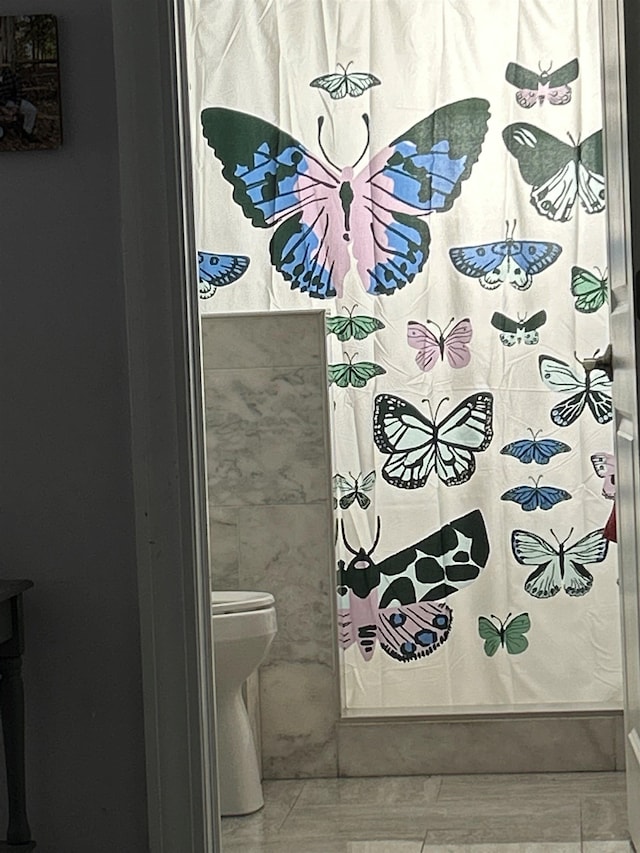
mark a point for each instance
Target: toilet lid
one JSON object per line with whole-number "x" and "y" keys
{"x": 235, "y": 601}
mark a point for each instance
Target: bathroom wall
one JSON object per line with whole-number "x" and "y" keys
{"x": 66, "y": 493}
{"x": 271, "y": 529}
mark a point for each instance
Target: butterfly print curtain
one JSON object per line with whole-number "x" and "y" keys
{"x": 439, "y": 193}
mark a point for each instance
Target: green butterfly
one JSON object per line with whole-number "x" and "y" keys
{"x": 357, "y": 374}
{"x": 345, "y": 328}
{"x": 509, "y": 634}
{"x": 591, "y": 291}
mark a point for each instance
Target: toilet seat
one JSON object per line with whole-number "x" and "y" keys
{"x": 235, "y": 601}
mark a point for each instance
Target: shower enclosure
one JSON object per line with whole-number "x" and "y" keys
{"x": 446, "y": 208}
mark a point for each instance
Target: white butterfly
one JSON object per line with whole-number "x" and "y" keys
{"x": 591, "y": 389}
{"x": 345, "y": 83}
{"x": 558, "y": 173}
{"x": 558, "y": 567}
{"x": 418, "y": 445}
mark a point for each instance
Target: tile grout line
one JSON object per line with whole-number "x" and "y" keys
{"x": 293, "y": 804}
{"x": 424, "y": 840}
{"x": 315, "y": 503}
{"x": 435, "y": 801}
{"x": 440, "y": 781}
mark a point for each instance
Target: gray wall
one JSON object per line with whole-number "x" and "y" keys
{"x": 269, "y": 473}
{"x": 66, "y": 510}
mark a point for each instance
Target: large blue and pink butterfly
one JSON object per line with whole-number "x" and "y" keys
{"x": 321, "y": 211}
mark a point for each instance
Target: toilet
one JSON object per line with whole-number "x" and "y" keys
{"x": 243, "y": 626}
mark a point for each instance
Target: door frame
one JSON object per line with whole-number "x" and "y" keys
{"x": 167, "y": 428}
{"x": 167, "y": 414}
{"x": 620, "y": 26}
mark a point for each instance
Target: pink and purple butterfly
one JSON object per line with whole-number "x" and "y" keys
{"x": 406, "y": 633}
{"x": 452, "y": 345}
{"x": 321, "y": 212}
{"x": 604, "y": 464}
{"x": 552, "y": 86}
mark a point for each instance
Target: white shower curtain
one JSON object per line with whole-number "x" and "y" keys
{"x": 459, "y": 405}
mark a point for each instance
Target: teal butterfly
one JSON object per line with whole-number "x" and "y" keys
{"x": 343, "y": 83}
{"x": 418, "y": 445}
{"x": 353, "y": 489}
{"x": 509, "y": 635}
{"x": 591, "y": 291}
{"x": 561, "y": 567}
{"x": 356, "y": 374}
{"x": 358, "y": 327}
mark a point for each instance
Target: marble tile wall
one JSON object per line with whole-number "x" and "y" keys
{"x": 540, "y": 743}
{"x": 269, "y": 472}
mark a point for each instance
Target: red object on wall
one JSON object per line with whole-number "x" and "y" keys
{"x": 610, "y": 531}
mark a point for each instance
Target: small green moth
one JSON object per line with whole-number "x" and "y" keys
{"x": 591, "y": 291}
{"x": 358, "y": 327}
{"x": 509, "y": 635}
{"x": 353, "y": 373}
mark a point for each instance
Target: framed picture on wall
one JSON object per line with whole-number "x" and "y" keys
{"x": 29, "y": 83}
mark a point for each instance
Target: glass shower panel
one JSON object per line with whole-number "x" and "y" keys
{"x": 431, "y": 173}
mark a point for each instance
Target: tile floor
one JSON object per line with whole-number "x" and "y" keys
{"x": 532, "y": 813}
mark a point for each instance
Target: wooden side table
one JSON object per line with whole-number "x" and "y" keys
{"x": 12, "y": 711}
